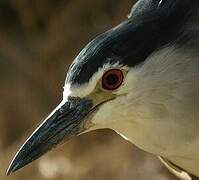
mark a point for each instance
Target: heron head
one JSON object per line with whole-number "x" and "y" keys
{"x": 108, "y": 75}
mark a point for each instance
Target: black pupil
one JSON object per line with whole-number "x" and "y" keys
{"x": 112, "y": 79}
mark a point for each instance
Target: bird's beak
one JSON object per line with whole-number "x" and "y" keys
{"x": 67, "y": 120}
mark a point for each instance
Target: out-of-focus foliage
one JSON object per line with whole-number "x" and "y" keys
{"x": 38, "y": 41}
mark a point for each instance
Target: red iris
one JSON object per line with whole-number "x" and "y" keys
{"x": 112, "y": 79}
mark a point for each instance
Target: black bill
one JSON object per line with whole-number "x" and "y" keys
{"x": 66, "y": 121}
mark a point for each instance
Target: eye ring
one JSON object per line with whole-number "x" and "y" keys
{"x": 112, "y": 79}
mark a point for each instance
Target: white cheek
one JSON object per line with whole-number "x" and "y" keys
{"x": 103, "y": 114}
{"x": 110, "y": 112}
{"x": 130, "y": 82}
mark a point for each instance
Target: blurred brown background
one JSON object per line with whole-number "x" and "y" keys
{"x": 38, "y": 40}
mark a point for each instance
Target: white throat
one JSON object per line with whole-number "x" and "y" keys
{"x": 160, "y": 113}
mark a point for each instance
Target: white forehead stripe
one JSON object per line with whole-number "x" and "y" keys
{"x": 67, "y": 91}
{"x": 86, "y": 88}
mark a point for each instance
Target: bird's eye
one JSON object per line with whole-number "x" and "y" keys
{"x": 112, "y": 79}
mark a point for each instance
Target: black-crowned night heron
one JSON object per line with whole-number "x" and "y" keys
{"x": 140, "y": 79}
